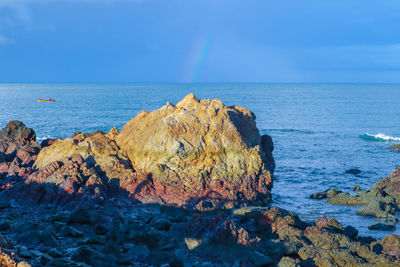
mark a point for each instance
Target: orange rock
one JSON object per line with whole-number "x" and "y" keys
{"x": 198, "y": 148}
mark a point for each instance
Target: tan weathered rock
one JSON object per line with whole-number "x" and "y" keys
{"x": 97, "y": 149}
{"x": 200, "y": 148}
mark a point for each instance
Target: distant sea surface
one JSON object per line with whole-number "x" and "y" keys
{"x": 319, "y": 130}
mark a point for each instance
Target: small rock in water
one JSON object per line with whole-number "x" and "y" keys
{"x": 326, "y": 194}
{"x": 396, "y": 147}
{"x": 377, "y": 209}
{"x": 353, "y": 171}
{"x": 356, "y": 188}
{"x": 387, "y": 225}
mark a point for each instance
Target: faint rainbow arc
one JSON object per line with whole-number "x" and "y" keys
{"x": 198, "y": 57}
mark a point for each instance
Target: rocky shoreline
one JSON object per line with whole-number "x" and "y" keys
{"x": 381, "y": 201}
{"x": 186, "y": 185}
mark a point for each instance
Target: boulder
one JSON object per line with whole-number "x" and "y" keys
{"x": 353, "y": 171}
{"x": 200, "y": 149}
{"x": 391, "y": 245}
{"x": 84, "y": 164}
{"x": 356, "y": 188}
{"x": 18, "y": 150}
{"x": 95, "y": 148}
{"x": 377, "y": 209}
{"x": 383, "y": 226}
{"x": 17, "y": 132}
{"x": 326, "y": 194}
{"x": 390, "y": 184}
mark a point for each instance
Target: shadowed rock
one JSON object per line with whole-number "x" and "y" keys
{"x": 387, "y": 225}
{"x": 18, "y": 152}
{"x": 17, "y": 132}
{"x": 390, "y": 184}
{"x": 83, "y": 162}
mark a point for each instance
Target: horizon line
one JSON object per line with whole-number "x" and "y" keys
{"x": 150, "y": 83}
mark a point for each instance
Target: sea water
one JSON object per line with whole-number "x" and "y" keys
{"x": 319, "y": 130}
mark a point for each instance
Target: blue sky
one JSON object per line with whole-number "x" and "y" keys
{"x": 199, "y": 41}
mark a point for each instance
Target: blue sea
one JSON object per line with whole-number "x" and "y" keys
{"x": 319, "y": 130}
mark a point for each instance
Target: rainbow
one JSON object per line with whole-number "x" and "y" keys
{"x": 200, "y": 52}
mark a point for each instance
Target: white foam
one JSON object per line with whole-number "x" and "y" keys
{"x": 42, "y": 138}
{"x": 383, "y": 137}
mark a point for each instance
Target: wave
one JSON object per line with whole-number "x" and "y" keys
{"x": 42, "y": 138}
{"x": 379, "y": 137}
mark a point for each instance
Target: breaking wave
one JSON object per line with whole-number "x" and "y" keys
{"x": 379, "y": 137}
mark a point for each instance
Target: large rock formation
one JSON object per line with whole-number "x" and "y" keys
{"x": 200, "y": 149}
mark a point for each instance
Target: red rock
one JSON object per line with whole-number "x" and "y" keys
{"x": 325, "y": 222}
{"x": 4, "y": 167}
{"x": 391, "y": 245}
{"x": 23, "y": 155}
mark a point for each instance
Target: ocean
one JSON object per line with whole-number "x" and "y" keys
{"x": 319, "y": 130}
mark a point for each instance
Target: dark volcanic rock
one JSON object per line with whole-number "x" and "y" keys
{"x": 17, "y": 132}
{"x": 353, "y": 171}
{"x": 390, "y": 185}
{"x": 381, "y": 201}
{"x": 18, "y": 152}
{"x": 356, "y": 188}
{"x": 383, "y": 226}
{"x": 47, "y": 142}
{"x": 326, "y": 194}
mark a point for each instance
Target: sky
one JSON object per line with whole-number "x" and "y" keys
{"x": 152, "y": 41}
